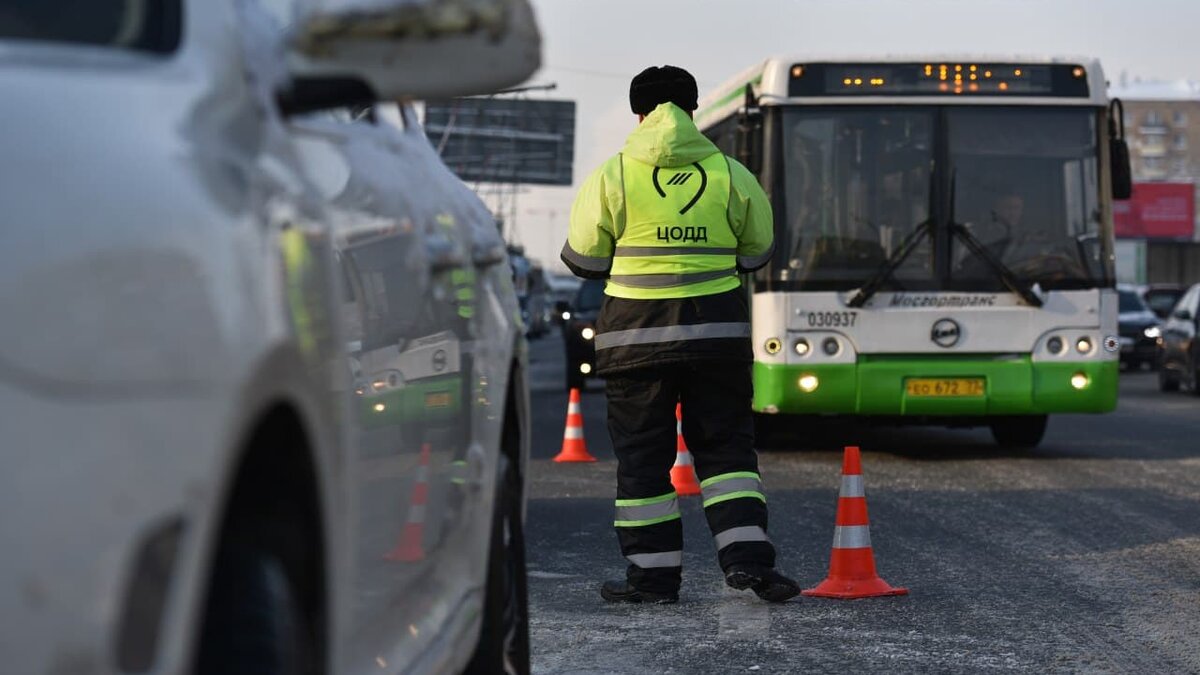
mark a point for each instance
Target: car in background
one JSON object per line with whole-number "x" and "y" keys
{"x": 1161, "y": 298}
{"x": 538, "y": 304}
{"x": 579, "y": 332}
{"x": 563, "y": 288}
{"x": 1179, "y": 347}
{"x": 262, "y": 387}
{"x": 1138, "y": 328}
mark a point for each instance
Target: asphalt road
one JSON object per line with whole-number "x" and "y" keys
{"x": 1080, "y": 556}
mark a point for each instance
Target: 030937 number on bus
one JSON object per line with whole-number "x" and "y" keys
{"x": 830, "y": 319}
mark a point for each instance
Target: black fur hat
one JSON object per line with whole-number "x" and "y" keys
{"x": 667, "y": 84}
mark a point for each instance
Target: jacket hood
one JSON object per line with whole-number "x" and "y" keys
{"x": 668, "y": 137}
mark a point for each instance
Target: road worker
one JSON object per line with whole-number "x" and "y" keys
{"x": 670, "y": 222}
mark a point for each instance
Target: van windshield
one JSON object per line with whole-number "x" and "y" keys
{"x": 141, "y": 25}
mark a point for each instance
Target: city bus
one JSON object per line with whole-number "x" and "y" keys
{"x": 944, "y": 239}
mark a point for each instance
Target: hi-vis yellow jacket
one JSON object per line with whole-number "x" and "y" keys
{"x": 670, "y": 216}
{"x": 670, "y": 221}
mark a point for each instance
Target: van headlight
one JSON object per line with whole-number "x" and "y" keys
{"x": 1152, "y": 332}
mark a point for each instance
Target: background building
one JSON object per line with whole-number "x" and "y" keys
{"x": 1157, "y": 228}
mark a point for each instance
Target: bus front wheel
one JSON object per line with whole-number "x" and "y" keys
{"x": 1019, "y": 431}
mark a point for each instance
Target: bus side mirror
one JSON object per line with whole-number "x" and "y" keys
{"x": 1122, "y": 175}
{"x": 748, "y": 142}
{"x": 1118, "y": 152}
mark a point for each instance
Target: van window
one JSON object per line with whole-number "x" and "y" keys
{"x": 141, "y": 25}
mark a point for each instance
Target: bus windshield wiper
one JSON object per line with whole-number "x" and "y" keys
{"x": 1030, "y": 294}
{"x": 864, "y": 292}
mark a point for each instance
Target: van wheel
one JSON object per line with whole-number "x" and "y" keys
{"x": 1019, "y": 431}
{"x": 252, "y": 621}
{"x": 504, "y": 638}
{"x": 1167, "y": 380}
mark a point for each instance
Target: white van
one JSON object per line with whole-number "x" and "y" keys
{"x": 262, "y": 394}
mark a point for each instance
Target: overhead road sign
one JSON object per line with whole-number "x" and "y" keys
{"x": 504, "y": 140}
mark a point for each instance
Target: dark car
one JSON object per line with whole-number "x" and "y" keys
{"x": 1161, "y": 298}
{"x": 579, "y": 332}
{"x": 1138, "y": 327}
{"x": 1179, "y": 348}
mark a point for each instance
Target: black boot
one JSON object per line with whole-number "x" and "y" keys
{"x": 621, "y": 591}
{"x": 764, "y": 581}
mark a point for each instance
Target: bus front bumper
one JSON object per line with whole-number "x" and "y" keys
{"x": 877, "y": 386}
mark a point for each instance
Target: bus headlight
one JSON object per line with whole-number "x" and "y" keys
{"x": 585, "y": 368}
{"x": 1152, "y": 332}
{"x": 587, "y": 333}
{"x": 1083, "y": 345}
{"x": 808, "y": 383}
{"x": 802, "y": 347}
{"x": 1080, "y": 380}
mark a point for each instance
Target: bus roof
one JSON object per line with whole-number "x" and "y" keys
{"x": 770, "y": 81}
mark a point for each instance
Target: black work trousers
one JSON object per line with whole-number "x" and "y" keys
{"x": 718, "y": 428}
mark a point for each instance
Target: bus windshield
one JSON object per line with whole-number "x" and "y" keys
{"x": 1023, "y": 183}
{"x": 858, "y": 184}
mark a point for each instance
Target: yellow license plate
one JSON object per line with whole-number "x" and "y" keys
{"x": 437, "y": 399}
{"x": 944, "y": 386}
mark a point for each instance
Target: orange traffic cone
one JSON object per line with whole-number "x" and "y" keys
{"x": 683, "y": 474}
{"x": 410, "y": 548}
{"x": 574, "y": 448}
{"x": 852, "y": 563}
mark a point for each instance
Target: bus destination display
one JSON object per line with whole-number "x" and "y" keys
{"x": 938, "y": 79}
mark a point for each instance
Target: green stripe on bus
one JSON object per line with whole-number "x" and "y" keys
{"x": 740, "y": 91}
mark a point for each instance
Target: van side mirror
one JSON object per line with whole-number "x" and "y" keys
{"x": 342, "y": 52}
{"x": 1183, "y": 314}
{"x": 748, "y": 146}
{"x": 1118, "y": 152}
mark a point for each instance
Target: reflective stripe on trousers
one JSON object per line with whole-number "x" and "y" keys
{"x": 743, "y": 533}
{"x": 646, "y": 512}
{"x": 652, "y": 560}
{"x": 734, "y": 485}
{"x": 649, "y": 511}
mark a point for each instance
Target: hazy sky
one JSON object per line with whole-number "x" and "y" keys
{"x": 592, "y": 48}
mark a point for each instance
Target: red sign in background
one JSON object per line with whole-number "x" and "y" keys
{"x": 1157, "y": 211}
